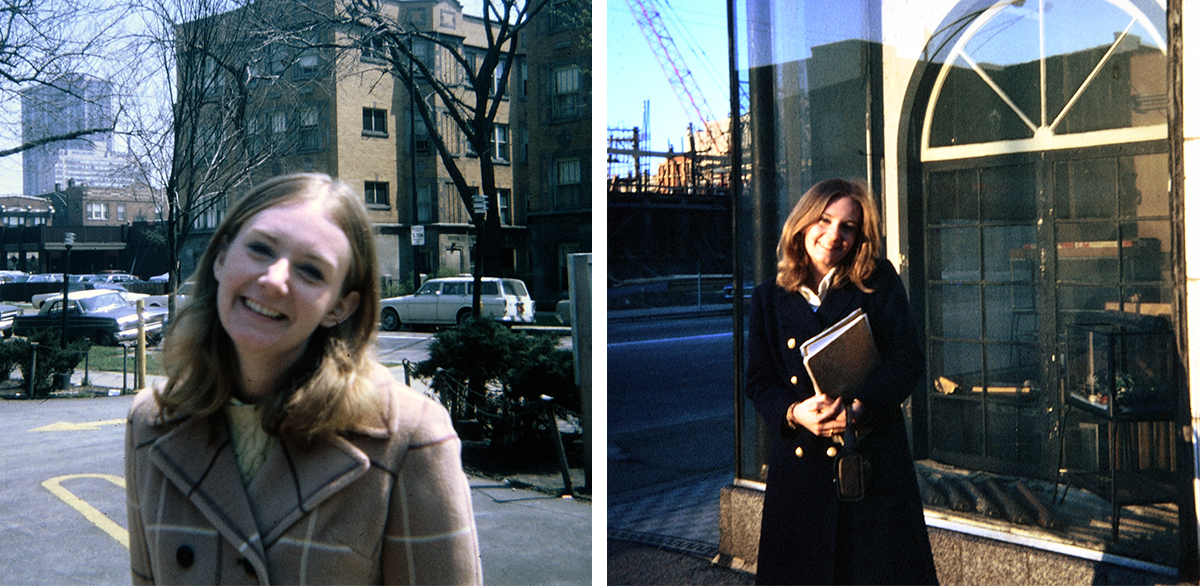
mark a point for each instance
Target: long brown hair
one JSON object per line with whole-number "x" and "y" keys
{"x": 329, "y": 388}
{"x": 858, "y": 265}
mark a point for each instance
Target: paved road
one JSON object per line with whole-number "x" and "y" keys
{"x": 670, "y": 401}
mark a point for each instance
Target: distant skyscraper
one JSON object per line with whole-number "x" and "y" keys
{"x": 72, "y": 103}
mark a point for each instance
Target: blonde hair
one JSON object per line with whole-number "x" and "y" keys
{"x": 858, "y": 265}
{"x": 329, "y": 389}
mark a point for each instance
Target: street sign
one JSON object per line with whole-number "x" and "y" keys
{"x": 418, "y": 235}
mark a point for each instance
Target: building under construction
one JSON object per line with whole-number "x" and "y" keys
{"x": 669, "y": 219}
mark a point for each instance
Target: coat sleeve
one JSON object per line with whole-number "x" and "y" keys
{"x": 902, "y": 360}
{"x": 430, "y": 535}
{"x": 139, "y": 555}
{"x": 764, "y": 379}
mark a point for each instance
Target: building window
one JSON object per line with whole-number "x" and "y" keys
{"x": 254, "y": 140}
{"x": 421, "y": 143}
{"x": 97, "y": 211}
{"x": 424, "y": 204}
{"x": 562, "y": 15}
{"x": 504, "y": 197}
{"x": 500, "y": 143}
{"x": 121, "y": 212}
{"x": 376, "y": 193}
{"x": 374, "y": 122}
{"x": 279, "y": 123}
{"x": 310, "y": 129}
{"x": 375, "y": 49}
{"x": 566, "y": 93}
{"x": 497, "y": 77}
{"x": 309, "y": 60}
{"x": 568, "y": 179}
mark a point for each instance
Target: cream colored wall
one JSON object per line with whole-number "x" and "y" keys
{"x": 367, "y": 158}
{"x": 907, "y": 27}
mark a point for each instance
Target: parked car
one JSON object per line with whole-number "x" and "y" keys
{"x": 185, "y": 291}
{"x": 103, "y": 315}
{"x": 7, "y": 314}
{"x": 113, "y": 277}
{"x": 447, "y": 301}
{"x": 40, "y": 298}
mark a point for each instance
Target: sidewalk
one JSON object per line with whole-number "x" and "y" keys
{"x": 668, "y": 534}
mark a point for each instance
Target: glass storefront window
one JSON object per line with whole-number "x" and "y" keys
{"x": 1027, "y": 192}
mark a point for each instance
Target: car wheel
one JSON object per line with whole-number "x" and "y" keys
{"x": 389, "y": 320}
{"x": 103, "y": 338}
{"x": 463, "y": 316}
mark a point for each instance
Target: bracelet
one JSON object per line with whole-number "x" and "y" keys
{"x": 788, "y": 417}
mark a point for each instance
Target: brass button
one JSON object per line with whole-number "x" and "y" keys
{"x": 799, "y": 452}
{"x": 795, "y": 380}
{"x": 831, "y": 452}
{"x": 791, "y": 342}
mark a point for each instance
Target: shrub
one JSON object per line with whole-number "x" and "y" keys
{"x": 51, "y": 359}
{"x": 485, "y": 355}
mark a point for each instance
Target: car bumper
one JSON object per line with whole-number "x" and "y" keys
{"x": 129, "y": 335}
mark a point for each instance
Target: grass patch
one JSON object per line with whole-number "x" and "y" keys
{"x": 110, "y": 358}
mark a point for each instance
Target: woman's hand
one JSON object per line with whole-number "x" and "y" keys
{"x": 821, "y": 416}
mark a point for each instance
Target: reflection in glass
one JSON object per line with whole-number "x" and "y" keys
{"x": 954, "y": 254}
{"x": 958, "y": 311}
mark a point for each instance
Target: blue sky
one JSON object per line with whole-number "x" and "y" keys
{"x": 635, "y": 75}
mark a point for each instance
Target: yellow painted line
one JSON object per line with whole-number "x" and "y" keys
{"x": 54, "y": 485}
{"x": 86, "y": 426}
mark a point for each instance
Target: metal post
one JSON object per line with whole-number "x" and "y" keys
{"x": 548, "y": 403}
{"x": 579, "y": 279}
{"x": 140, "y": 380}
{"x": 32, "y": 375}
{"x": 68, "y": 242}
{"x": 124, "y": 367}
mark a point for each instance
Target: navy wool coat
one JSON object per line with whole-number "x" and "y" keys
{"x": 808, "y": 536}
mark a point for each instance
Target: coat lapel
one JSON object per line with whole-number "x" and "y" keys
{"x": 196, "y": 457}
{"x": 296, "y": 479}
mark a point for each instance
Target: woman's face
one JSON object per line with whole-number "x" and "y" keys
{"x": 833, "y": 236}
{"x": 280, "y": 278}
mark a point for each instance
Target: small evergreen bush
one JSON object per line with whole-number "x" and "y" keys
{"x": 51, "y": 358}
{"x": 506, "y": 374}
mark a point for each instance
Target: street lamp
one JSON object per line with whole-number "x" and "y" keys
{"x": 68, "y": 242}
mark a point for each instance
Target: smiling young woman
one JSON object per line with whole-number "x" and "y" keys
{"x": 829, "y": 267}
{"x": 278, "y": 445}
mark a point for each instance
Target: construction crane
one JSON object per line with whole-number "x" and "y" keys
{"x": 649, "y": 19}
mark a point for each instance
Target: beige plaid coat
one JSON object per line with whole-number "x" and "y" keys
{"x": 387, "y": 505}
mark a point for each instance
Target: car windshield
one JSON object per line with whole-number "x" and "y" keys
{"x": 429, "y": 289}
{"x": 103, "y": 302}
{"x": 515, "y": 287}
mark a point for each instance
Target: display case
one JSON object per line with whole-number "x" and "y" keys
{"x": 1120, "y": 366}
{"x": 1119, "y": 377}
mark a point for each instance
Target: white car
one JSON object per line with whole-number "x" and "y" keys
{"x": 447, "y": 301}
{"x": 181, "y": 296}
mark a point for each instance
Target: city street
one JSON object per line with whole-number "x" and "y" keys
{"x": 670, "y": 401}
{"x": 62, "y": 499}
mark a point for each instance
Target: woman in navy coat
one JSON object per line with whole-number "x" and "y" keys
{"x": 829, "y": 265}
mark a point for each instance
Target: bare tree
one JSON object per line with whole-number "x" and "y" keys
{"x": 471, "y": 90}
{"x": 41, "y": 41}
{"x": 202, "y": 133}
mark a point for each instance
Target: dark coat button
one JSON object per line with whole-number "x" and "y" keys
{"x": 185, "y": 556}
